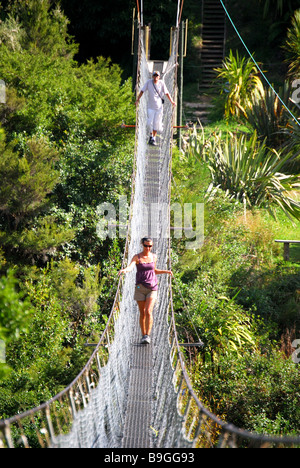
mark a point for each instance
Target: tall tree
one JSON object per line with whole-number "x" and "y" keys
{"x": 44, "y": 26}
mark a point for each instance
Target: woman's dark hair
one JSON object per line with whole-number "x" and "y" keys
{"x": 146, "y": 239}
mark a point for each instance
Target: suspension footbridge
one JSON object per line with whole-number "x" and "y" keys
{"x": 129, "y": 395}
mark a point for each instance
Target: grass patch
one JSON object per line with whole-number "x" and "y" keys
{"x": 285, "y": 229}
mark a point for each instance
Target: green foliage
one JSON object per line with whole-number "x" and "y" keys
{"x": 273, "y": 292}
{"x": 277, "y": 7}
{"x": 60, "y": 98}
{"x": 63, "y": 153}
{"x": 239, "y": 79}
{"x": 258, "y": 392}
{"x": 93, "y": 172}
{"x": 242, "y": 303}
{"x": 56, "y": 95}
{"x": 36, "y": 25}
{"x": 188, "y": 178}
{"x": 78, "y": 292}
{"x": 292, "y": 46}
{"x": 269, "y": 116}
{"x": 27, "y": 178}
{"x": 247, "y": 171}
{"x": 225, "y": 329}
{"x": 292, "y": 145}
{"x": 14, "y": 313}
{"x": 62, "y": 122}
{"x": 11, "y": 33}
{"x": 47, "y": 355}
{"x": 34, "y": 351}
{"x": 41, "y": 239}
{"x": 239, "y": 302}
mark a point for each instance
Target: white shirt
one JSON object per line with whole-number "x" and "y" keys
{"x": 155, "y": 102}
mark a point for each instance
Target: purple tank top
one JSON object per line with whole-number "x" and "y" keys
{"x": 146, "y": 276}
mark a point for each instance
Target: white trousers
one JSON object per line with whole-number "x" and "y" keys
{"x": 154, "y": 121}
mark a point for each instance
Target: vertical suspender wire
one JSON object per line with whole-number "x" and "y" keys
{"x": 258, "y": 67}
{"x": 178, "y": 12}
{"x": 142, "y": 13}
{"x": 138, "y": 9}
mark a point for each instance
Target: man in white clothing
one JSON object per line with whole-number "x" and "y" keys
{"x": 157, "y": 90}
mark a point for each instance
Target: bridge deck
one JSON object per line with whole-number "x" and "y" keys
{"x": 138, "y": 415}
{"x": 137, "y": 429}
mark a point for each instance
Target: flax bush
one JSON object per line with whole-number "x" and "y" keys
{"x": 239, "y": 82}
{"x": 292, "y": 46}
{"x": 247, "y": 171}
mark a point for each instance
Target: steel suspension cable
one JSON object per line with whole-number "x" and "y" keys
{"x": 179, "y": 12}
{"x": 257, "y": 65}
{"x": 138, "y": 9}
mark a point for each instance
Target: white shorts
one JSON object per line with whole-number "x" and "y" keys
{"x": 154, "y": 121}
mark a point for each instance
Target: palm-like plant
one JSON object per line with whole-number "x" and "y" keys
{"x": 277, "y": 6}
{"x": 292, "y": 146}
{"x": 292, "y": 46}
{"x": 269, "y": 117}
{"x": 247, "y": 171}
{"x": 239, "y": 79}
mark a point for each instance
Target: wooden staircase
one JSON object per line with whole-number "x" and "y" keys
{"x": 213, "y": 41}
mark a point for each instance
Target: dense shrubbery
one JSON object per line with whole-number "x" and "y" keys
{"x": 62, "y": 154}
{"x": 248, "y": 171}
{"x": 242, "y": 298}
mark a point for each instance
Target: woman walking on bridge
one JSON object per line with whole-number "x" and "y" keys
{"x": 146, "y": 285}
{"x": 157, "y": 90}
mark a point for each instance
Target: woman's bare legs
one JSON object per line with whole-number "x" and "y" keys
{"x": 146, "y": 315}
